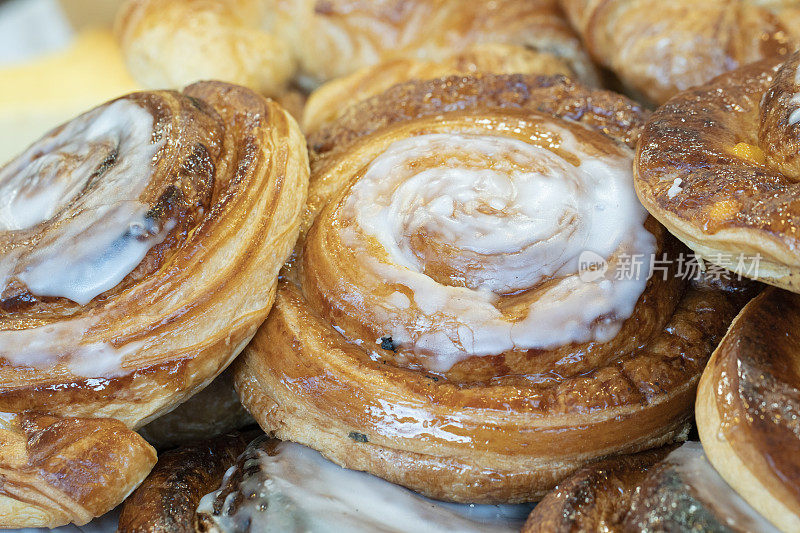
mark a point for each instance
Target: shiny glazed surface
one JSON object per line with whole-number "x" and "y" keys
{"x": 338, "y": 367}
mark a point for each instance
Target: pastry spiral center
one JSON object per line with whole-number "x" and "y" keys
{"x": 493, "y": 214}
{"x": 84, "y": 180}
{"x": 478, "y": 239}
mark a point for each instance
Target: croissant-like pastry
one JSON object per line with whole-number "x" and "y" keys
{"x": 435, "y": 327}
{"x": 56, "y": 470}
{"x": 168, "y": 498}
{"x": 718, "y": 166}
{"x": 330, "y": 101}
{"x": 748, "y": 407}
{"x": 139, "y": 249}
{"x": 265, "y": 44}
{"x": 647, "y": 492}
{"x": 659, "y": 48}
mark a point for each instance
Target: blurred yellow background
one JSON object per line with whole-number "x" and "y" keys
{"x": 52, "y": 86}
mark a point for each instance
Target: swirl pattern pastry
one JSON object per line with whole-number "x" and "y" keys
{"x": 435, "y": 328}
{"x": 748, "y": 407}
{"x": 660, "y": 48}
{"x": 265, "y": 44}
{"x": 139, "y": 249}
{"x": 717, "y": 165}
{"x": 661, "y": 490}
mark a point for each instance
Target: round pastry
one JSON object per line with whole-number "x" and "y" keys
{"x": 659, "y": 48}
{"x": 139, "y": 249}
{"x": 748, "y": 407}
{"x": 457, "y": 317}
{"x": 330, "y": 101}
{"x": 168, "y": 498}
{"x": 717, "y": 165}
{"x": 215, "y": 410}
{"x": 265, "y": 44}
{"x": 652, "y": 491}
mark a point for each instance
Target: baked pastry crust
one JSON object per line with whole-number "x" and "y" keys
{"x": 716, "y": 167}
{"x": 748, "y": 403}
{"x": 330, "y": 101}
{"x": 659, "y": 48}
{"x": 207, "y": 186}
{"x": 57, "y": 470}
{"x": 499, "y": 428}
{"x": 669, "y": 489}
{"x": 168, "y": 498}
{"x": 265, "y": 44}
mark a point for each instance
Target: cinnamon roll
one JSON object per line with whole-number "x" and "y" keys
{"x": 717, "y": 165}
{"x": 748, "y": 407}
{"x": 329, "y": 102}
{"x": 659, "y": 48}
{"x": 266, "y": 44}
{"x": 139, "y": 250}
{"x": 652, "y": 491}
{"x": 455, "y": 319}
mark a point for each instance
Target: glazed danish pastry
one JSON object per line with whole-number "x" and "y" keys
{"x": 661, "y": 490}
{"x": 435, "y": 327}
{"x": 748, "y": 407}
{"x": 718, "y": 166}
{"x": 139, "y": 250}
{"x": 265, "y": 44}
{"x": 659, "y": 48}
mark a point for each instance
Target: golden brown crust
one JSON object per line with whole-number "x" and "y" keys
{"x": 226, "y": 187}
{"x": 167, "y": 500}
{"x": 169, "y": 44}
{"x": 711, "y": 167}
{"x": 503, "y": 427}
{"x": 54, "y": 470}
{"x": 747, "y": 407}
{"x": 215, "y": 410}
{"x": 329, "y": 101}
{"x": 596, "y": 497}
{"x": 258, "y": 42}
{"x": 660, "y": 48}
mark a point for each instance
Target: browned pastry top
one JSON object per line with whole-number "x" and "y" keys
{"x": 755, "y": 375}
{"x": 669, "y": 489}
{"x": 660, "y": 48}
{"x": 723, "y": 158}
{"x": 167, "y": 499}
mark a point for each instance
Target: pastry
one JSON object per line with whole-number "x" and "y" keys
{"x": 748, "y": 407}
{"x": 659, "y": 48}
{"x": 717, "y": 166}
{"x": 661, "y": 490}
{"x": 330, "y": 101}
{"x": 139, "y": 250}
{"x": 456, "y": 317}
{"x": 270, "y": 44}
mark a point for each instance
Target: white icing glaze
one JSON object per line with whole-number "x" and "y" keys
{"x": 708, "y": 486}
{"x": 299, "y": 490}
{"x": 42, "y": 346}
{"x": 675, "y": 188}
{"x": 508, "y": 214}
{"x": 90, "y": 247}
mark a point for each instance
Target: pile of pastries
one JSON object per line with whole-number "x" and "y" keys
{"x": 413, "y": 265}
